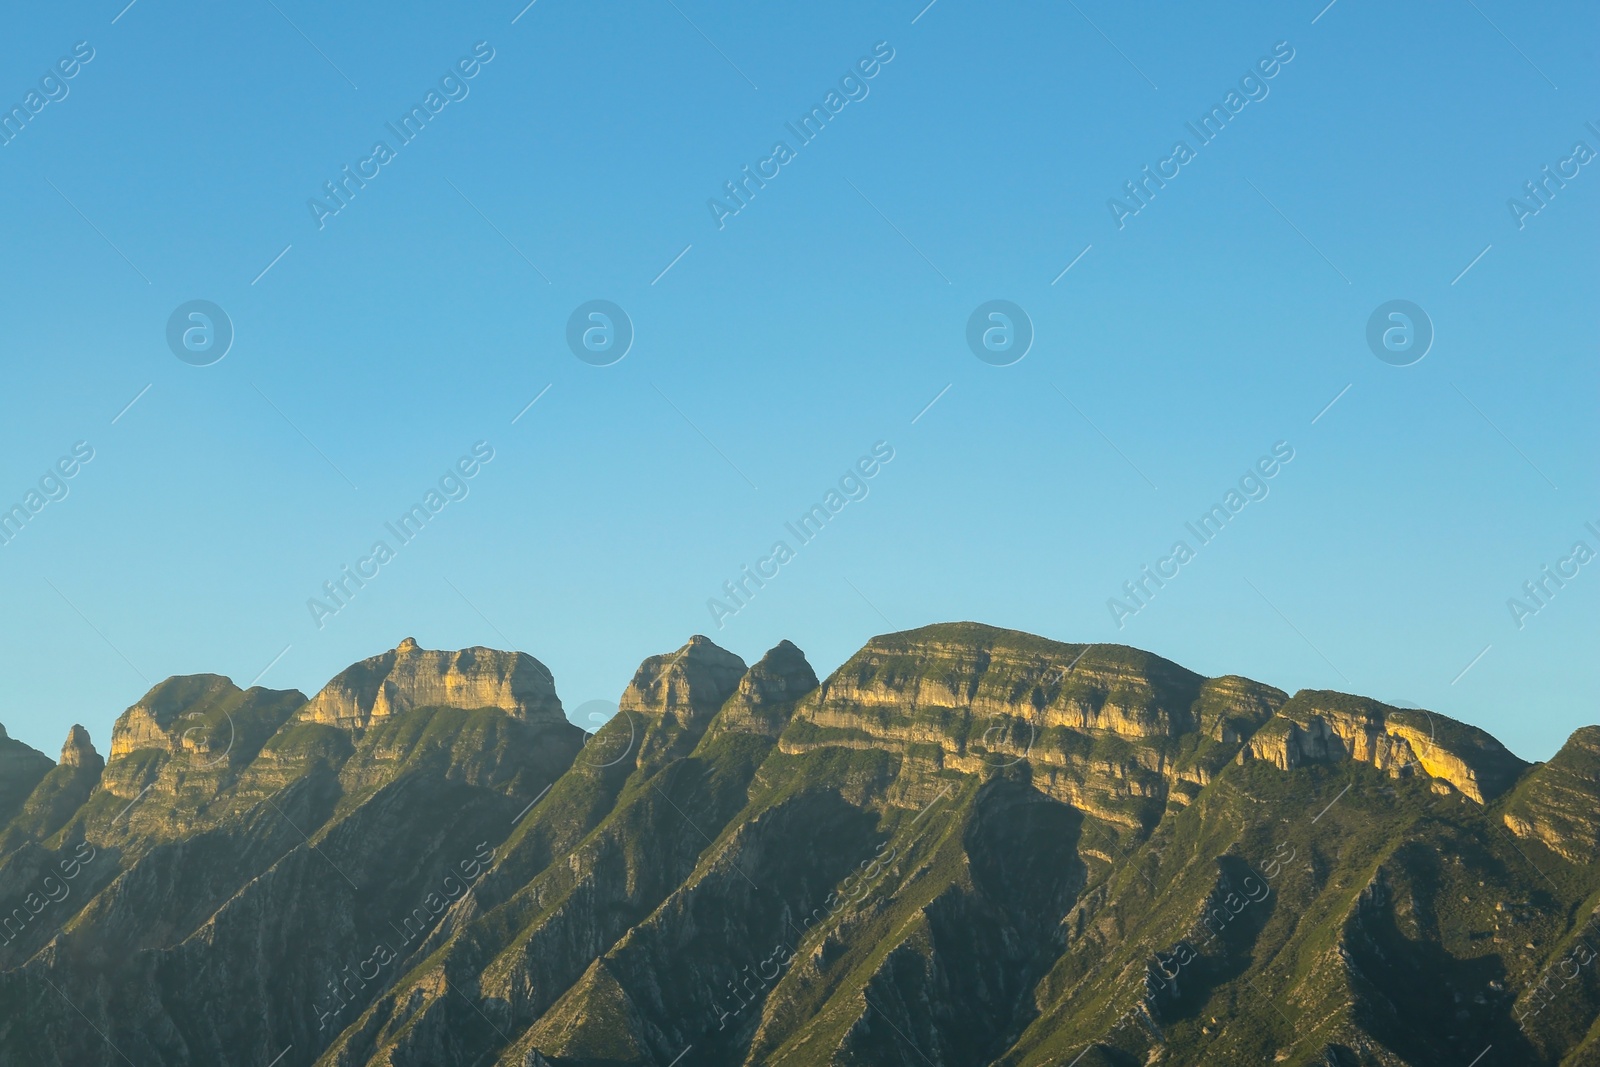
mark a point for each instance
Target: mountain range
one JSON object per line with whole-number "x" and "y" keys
{"x": 966, "y": 846}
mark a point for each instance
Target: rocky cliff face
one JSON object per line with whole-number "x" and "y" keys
{"x": 412, "y": 677}
{"x": 165, "y": 717}
{"x": 688, "y": 685}
{"x": 1556, "y": 804}
{"x": 78, "y": 751}
{"x": 1317, "y": 727}
{"x": 767, "y": 693}
{"x": 984, "y": 674}
{"x": 965, "y": 846}
{"x": 1112, "y": 730}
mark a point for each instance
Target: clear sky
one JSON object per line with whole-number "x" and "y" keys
{"x": 773, "y": 347}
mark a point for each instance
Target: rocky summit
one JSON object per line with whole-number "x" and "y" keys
{"x": 965, "y": 846}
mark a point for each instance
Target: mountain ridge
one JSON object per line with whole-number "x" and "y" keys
{"x": 964, "y": 845}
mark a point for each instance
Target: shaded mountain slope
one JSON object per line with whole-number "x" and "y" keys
{"x": 966, "y": 846}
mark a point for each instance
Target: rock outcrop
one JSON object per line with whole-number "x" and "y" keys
{"x": 164, "y": 717}
{"x": 767, "y": 693}
{"x": 1323, "y": 727}
{"x": 1106, "y": 728}
{"x": 1556, "y": 804}
{"x": 78, "y": 751}
{"x": 413, "y": 677}
{"x": 59, "y": 794}
{"x": 689, "y": 685}
{"x": 985, "y": 673}
{"x": 1231, "y": 708}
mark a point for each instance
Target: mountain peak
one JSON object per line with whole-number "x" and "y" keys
{"x": 413, "y": 677}
{"x": 767, "y": 694}
{"x": 783, "y": 674}
{"x": 151, "y": 722}
{"x": 78, "y": 751}
{"x": 691, "y": 683}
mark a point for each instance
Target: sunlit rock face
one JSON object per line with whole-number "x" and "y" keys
{"x": 689, "y": 684}
{"x": 1322, "y": 727}
{"x": 989, "y": 673}
{"x": 768, "y": 692}
{"x": 166, "y": 716}
{"x": 414, "y": 677}
{"x": 78, "y": 751}
{"x": 1556, "y": 804}
{"x": 1113, "y": 730}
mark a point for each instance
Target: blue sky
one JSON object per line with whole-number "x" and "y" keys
{"x": 770, "y": 354}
